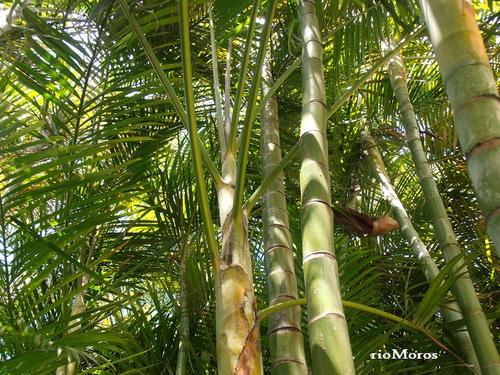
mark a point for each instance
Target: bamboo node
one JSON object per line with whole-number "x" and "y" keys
{"x": 324, "y": 315}
{"x": 319, "y": 254}
{"x": 483, "y": 146}
{"x": 317, "y": 200}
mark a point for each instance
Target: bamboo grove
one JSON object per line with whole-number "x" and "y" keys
{"x": 249, "y": 187}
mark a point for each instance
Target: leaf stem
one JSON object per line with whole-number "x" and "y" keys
{"x": 192, "y": 128}
{"x": 381, "y": 62}
{"x": 251, "y": 113}
{"x": 260, "y": 191}
{"x": 169, "y": 90}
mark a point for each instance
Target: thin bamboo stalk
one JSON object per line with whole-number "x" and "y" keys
{"x": 193, "y": 133}
{"x": 451, "y": 310}
{"x": 439, "y": 217}
{"x": 217, "y": 95}
{"x": 242, "y": 76}
{"x": 285, "y": 332}
{"x": 169, "y": 90}
{"x": 328, "y": 335}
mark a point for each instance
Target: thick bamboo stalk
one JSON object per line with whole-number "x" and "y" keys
{"x": 473, "y": 94}
{"x": 471, "y": 87}
{"x": 328, "y": 335}
{"x": 451, "y": 310}
{"x": 285, "y": 332}
{"x": 237, "y": 329}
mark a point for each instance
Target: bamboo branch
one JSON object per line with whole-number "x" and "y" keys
{"x": 218, "y": 99}
{"x": 227, "y": 92}
{"x": 242, "y": 77}
{"x": 265, "y": 313}
{"x": 181, "y": 112}
{"x": 260, "y": 191}
{"x": 251, "y": 113}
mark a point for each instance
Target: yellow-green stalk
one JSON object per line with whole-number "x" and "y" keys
{"x": 285, "y": 332}
{"x": 328, "y": 334}
{"x": 451, "y": 310}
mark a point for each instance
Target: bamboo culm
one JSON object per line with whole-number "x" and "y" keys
{"x": 471, "y": 88}
{"x": 451, "y": 310}
{"x": 328, "y": 335}
{"x": 285, "y": 332}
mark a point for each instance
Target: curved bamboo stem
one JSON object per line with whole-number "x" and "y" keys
{"x": 451, "y": 310}
{"x": 440, "y": 219}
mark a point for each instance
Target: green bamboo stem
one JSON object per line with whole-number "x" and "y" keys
{"x": 441, "y": 222}
{"x": 251, "y": 112}
{"x": 451, "y": 310}
{"x": 328, "y": 335}
{"x": 471, "y": 87}
{"x": 285, "y": 332}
